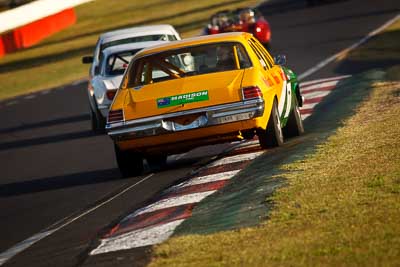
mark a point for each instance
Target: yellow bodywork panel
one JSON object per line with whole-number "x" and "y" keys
{"x": 181, "y": 83}
{"x": 221, "y": 89}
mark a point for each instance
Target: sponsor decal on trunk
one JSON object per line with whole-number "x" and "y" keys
{"x": 177, "y": 100}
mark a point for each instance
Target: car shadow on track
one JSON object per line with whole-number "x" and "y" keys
{"x": 58, "y": 182}
{"x": 84, "y": 178}
{"x": 48, "y": 123}
{"x": 46, "y": 140}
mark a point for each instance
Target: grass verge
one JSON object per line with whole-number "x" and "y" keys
{"x": 341, "y": 203}
{"x": 57, "y": 60}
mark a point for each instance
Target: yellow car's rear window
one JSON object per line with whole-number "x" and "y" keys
{"x": 188, "y": 61}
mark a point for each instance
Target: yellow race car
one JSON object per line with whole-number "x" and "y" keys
{"x": 201, "y": 91}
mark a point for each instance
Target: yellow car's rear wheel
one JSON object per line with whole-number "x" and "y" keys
{"x": 130, "y": 163}
{"x": 157, "y": 162}
{"x": 272, "y": 136}
{"x": 294, "y": 126}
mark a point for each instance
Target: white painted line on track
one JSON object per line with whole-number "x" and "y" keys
{"x": 321, "y": 86}
{"x": 172, "y": 202}
{"x": 8, "y": 254}
{"x": 5, "y": 256}
{"x": 234, "y": 159}
{"x": 316, "y": 94}
{"x": 236, "y": 144}
{"x": 11, "y": 103}
{"x": 337, "y": 78}
{"x": 29, "y": 97}
{"x": 305, "y": 116}
{"x": 252, "y": 142}
{"x": 204, "y": 179}
{"x": 178, "y": 156}
{"x": 309, "y": 106}
{"x": 138, "y": 238}
{"x": 78, "y": 82}
{"x": 325, "y": 62}
{"x": 246, "y": 146}
{"x": 45, "y": 92}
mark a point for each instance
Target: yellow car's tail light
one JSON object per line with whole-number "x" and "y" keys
{"x": 115, "y": 115}
{"x": 251, "y": 92}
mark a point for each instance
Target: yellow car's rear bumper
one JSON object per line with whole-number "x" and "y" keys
{"x": 213, "y": 124}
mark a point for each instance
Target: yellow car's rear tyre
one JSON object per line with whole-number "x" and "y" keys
{"x": 157, "y": 162}
{"x": 294, "y": 126}
{"x": 272, "y": 136}
{"x": 130, "y": 163}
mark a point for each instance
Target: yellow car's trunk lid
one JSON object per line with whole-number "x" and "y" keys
{"x": 184, "y": 94}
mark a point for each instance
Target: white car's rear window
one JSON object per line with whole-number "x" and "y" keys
{"x": 118, "y": 62}
{"x": 138, "y": 39}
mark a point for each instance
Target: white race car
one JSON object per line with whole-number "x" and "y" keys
{"x": 114, "y": 61}
{"x": 139, "y": 35}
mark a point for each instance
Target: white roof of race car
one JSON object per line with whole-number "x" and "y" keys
{"x": 128, "y": 47}
{"x": 137, "y": 31}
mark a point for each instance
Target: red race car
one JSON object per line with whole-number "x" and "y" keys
{"x": 241, "y": 20}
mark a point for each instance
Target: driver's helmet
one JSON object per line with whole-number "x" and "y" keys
{"x": 222, "y": 19}
{"x": 214, "y": 20}
{"x": 247, "y": 15}
{"x": 224, "y": 53}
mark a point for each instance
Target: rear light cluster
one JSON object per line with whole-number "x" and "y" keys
{"x": 251, "y": 92}
{"x": 111, "y": 93}
{"x": 115, "y": 115}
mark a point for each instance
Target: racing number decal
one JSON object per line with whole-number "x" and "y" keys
{"x": 286, "y": 97}
{"x": 283, "y": 97}
{"x": 289, "y": 99}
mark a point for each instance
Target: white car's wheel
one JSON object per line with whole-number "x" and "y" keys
{"x": 98, "y": 122}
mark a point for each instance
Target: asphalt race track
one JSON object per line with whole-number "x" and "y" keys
{"x": 54, "y": 169}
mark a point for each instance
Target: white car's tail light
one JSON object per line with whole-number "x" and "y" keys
{"x": 111, "y": 93}
{"x": 115, "y": 115}
{"x": 251, "y": 92}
